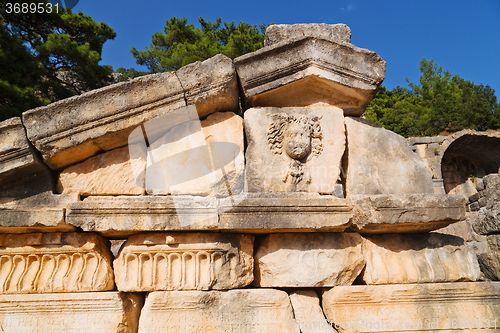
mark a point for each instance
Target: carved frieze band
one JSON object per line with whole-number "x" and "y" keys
{"x": 184, "y": 262}
{"x": 71, "y": 263}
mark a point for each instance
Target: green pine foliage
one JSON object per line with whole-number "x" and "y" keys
{"x": 128, "y": 74}
{"x": 440, "y": 103}
{"x": 181, "y": 43}
{"x": 46, "y": 57}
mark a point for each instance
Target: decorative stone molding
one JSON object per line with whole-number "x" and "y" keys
{"x": 74, "y": 129}
{"x": 54, "y": 262}
{"x": 192, "y": 261}
{"x": 378, "y": 214}
{"x": 280, "y": 212}
{"x": 309, "y": 70}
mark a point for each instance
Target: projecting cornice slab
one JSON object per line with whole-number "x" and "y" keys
{"x": 309, "y": 70}
{"x": 74, "y": 129}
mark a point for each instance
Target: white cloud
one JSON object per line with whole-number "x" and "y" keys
{"x": 349, "y": 8}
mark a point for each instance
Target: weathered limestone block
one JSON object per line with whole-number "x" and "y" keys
{"x": 277, "y": 33}
{"x": 124, "y": 215}
{"x": 310, "y": 70}
{"x": 246, "y": 310}
{"x": 405, "y": 213}
{"x": 44, "y": 212}
{"x": 185, "y": 261}
{"x": 110, "y": 173}
{"x": 381, "y": 162}
{"x": 54, "y": 262}
{"x": 418, "y": 258}
{"x": 210, "y": 85}
{"x": 489, "y": 260}
{"x": 284, "y": 212}
{"x": 199, "y": 158}
{"x": 434, "y": 307}
{"x": 111, "y": 312}
{"x": 76, "y": 128}
{"x": 22, "y": 173}
{"x": 309, "y": 317}
{"x": 308, "y": 260}
{"x": 294, "y": 149}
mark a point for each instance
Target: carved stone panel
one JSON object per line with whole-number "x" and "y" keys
{"x": 427, "y": 307}
{"x": 100, "y": 312}
{"x": 193, "y": 261}
{"x": 308, "y": 260}
{"x": 54, "y": 262}
{"x": 232, "y": 311}
{"x": 294, "y": 149}
{"x": 418, "y": 258}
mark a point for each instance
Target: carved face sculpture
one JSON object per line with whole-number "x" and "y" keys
{"x": 297, "y": 140}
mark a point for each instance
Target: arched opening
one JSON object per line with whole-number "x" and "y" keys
{"x": 466, "y": 160}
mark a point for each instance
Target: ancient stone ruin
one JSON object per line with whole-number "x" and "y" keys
{"x": 238, "y": 196}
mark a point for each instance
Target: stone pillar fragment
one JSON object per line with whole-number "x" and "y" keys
{"x": 309, "y": 316}
{"x": 308, "y": 260}
{"x": 193, "y": 261}
{"x": 109, "y": 312}
{"x": 246, "y": 310}
{"x": 54, "y": 262}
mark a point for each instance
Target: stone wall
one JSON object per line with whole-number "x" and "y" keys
{"x": 459, "y": 161}
{"x": 154, "y": 206}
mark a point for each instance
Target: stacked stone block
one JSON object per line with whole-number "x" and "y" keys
{"x": 216, "y": 236}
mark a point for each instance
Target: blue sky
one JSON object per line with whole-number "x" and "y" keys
{"x": 461, "y": 36}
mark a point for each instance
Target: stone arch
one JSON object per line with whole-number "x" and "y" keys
{"x": 467, "y": 156}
